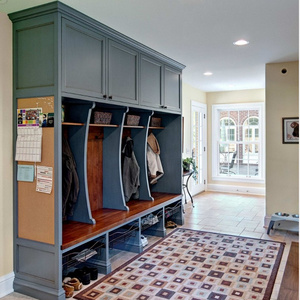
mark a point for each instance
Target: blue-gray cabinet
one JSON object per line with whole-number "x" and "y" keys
{"x": 95, "y": 66}
{"x": 73, "y": 66}
{"x": 160, "y": 85}
{"x": 151, "y": 88}
{"x": 83, "y": 60}
{"x": 172, "y": 84}
{"x": 122, "y": 73}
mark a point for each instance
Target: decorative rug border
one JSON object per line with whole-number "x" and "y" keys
{"x": 269, "y": 288}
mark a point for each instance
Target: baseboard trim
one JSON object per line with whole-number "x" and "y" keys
{"x": 6, "y": 284}
{"x": 236, "y": 189}
{"x": 267, "y": 221}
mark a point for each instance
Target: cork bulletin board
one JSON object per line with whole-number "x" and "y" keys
{"x": 36, "y": 211}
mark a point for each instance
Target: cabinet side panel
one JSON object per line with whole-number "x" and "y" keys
{"x": 36, "y": 263}
{"x": 35, "y": 56}
{"x": 36, "y": 210}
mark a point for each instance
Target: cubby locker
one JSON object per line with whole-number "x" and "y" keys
{"x": 93, "y": 254}
{"x": 154, "y": 223}
{"x": 101, "y": 207}
{"x": 104, "y": 162}
{"x": 169, "y": 140}
{"x": 138, "y": 133}
{"x": 126, "y": 237}
{"x": 174, "y": 212}
{"x": 75, "y": 130}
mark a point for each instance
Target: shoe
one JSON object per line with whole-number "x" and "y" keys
{"x": 171, "y": 224}
{"x": 75, "y": 283}
{"x": 86, "y": 278}
{"x": 69, "y": 290}
{"x": 67, "y": 279}
{"x": 78, "y": 273}
{"x": 93, "y": 272}
{"x": 144, "y": 241}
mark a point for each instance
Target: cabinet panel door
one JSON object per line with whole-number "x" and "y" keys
{"x": 122, "y": 73}
{"x": 151, "y": 82}
{"x": 83, "y": 61}
{"x": 172, "y": 89}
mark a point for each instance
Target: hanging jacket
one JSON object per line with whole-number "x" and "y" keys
{"x": 130, "y": 172}
{"x": 155, "y": 169}
{"x": 70, "y": 181}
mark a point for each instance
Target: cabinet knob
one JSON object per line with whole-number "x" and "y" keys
{"x": 104, "y": 96}
{"x": 109, "y": 97}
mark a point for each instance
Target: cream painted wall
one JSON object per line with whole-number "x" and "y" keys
{"x": 244, "y": 96}
{"x": 282, "y": 163}
{"x": 189, "y": 93}
{"x": 6, "y": 166}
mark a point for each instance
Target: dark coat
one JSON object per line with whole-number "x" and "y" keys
{"x": 70, "y": 181}
{"x": 130, "y": 172}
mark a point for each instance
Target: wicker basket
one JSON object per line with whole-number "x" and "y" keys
{"x": 155, "y": 122}
{"x": 132, "y": 120}
{"x": 101, "y": 117}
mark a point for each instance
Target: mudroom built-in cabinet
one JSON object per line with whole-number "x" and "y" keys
{"x": 101, "y": 92}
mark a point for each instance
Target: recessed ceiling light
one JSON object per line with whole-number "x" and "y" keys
{"x": 207, "y": 73}
{"x": 241, "y": 43}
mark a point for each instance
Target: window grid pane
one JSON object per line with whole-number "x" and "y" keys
{"x": 239, "y": 143}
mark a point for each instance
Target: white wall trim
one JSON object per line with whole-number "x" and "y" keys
{"x": 6, "y": 284}
{"x": 236, "y": 189}
{"x": 267, "y": 221}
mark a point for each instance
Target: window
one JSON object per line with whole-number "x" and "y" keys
{"x": 237, "y": 142}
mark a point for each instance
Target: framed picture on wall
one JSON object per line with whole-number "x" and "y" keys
{"x": 290, "y": 130}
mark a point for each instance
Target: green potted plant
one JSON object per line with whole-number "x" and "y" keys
{"x": 189, "y": 164}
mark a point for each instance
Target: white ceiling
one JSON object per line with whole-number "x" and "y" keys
{"x": 200, "y": 34}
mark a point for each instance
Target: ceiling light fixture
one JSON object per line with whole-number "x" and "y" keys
{"x": 241, "y": 43}
{"x": 207, "y": 73}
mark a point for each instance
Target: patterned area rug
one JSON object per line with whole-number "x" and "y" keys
{"x": 195, "y": 265}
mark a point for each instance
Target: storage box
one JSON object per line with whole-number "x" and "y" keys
{"x": 132, "y": 120}
{"x": 101, "y": 117}
{"x": 155, "y": 122}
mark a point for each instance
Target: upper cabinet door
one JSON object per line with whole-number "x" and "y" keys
{"x": 83, "y": 61}
{"x": 122, "y": 73}
{"x": 151, "y": 82}
{"x": 172, "y": 89}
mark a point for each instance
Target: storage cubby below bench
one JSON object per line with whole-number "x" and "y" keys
{"x": 117, "y": 229}
{"x": 174, "y": 212}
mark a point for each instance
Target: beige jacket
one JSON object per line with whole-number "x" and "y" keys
{"x": 153, "y": 160}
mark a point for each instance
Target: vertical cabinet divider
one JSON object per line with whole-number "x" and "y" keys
{"x": 113, "y": 196}
{"x": 77, "y": 137}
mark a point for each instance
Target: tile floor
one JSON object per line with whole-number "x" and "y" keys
{"x": 225, "y": 213}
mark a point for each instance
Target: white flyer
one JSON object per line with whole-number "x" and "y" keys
{"x": 44, "y": 179}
